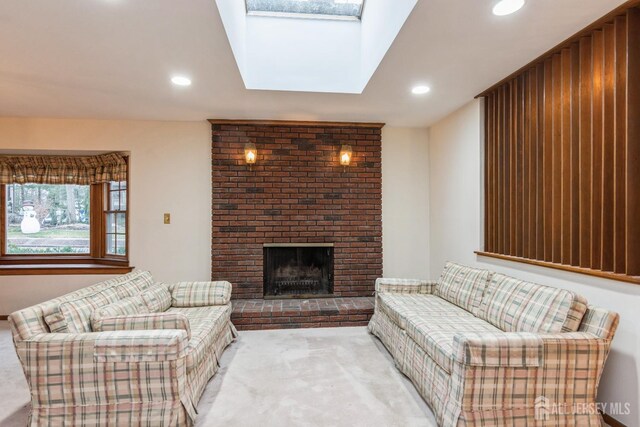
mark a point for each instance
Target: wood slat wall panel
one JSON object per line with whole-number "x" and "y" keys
{"x": 563, "y": 155}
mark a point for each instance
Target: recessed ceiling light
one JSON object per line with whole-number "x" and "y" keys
{"x": 181, "y": 81}
{"x": 420, "y": 90}
{"x": 507, "y": 7}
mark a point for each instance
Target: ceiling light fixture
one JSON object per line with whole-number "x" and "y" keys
{"x": 507, "y": 7}
{"x": 181, "y": 81}
{"x": 420, "y": 90}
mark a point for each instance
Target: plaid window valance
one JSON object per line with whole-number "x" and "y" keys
{"x": 63, "y": 169}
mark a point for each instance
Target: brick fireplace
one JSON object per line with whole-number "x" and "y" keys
{"x": 297, "y": 195}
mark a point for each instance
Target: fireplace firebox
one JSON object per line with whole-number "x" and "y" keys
{"x": 298, "y": 270}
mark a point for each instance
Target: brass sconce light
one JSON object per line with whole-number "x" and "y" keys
{"x": 250, "y": 154}
{"x": 346, "y": 152}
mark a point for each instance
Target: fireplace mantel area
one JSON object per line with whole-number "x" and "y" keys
{"x": 297, "y": 221}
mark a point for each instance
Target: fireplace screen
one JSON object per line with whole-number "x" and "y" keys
{"x": 298, "y": 271}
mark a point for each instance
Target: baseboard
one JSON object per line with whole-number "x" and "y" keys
{"x": 612, "y": 421}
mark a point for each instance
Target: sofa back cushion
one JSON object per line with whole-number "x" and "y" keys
{"x": 123, "y": 307}
{"x": 74, "y": 315}
{"x": 517, "y": 306}
{"x": 54, "y": 318}
{"x": 463, "y": 286}
{"x": 157, "y": 298}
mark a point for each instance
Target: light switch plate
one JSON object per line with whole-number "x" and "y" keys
{"x": 167, "y": 218}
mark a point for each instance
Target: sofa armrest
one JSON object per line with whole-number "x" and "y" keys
{"x": 145, "y": 322}
{"x": 498, "y": 349}
{"x": 405, "y": 286}
{"x": 118, "y": 346}
{"x": 525, "y": 349}
{"x": 105, "y": 368}
{"x": 200, "y": 294}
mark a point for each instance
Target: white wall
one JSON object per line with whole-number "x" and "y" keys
{"x": 170, "y": 172}
{"x": 405, "y": 202}
{"x": 455, "y": 181}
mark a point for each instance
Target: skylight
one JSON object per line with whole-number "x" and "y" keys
{"x": 314, "y": 9}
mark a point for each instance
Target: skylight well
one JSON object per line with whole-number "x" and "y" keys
{"x": 330, "y": 46}
{"x": 310, "y": 9}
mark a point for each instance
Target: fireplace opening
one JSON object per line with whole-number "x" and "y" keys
{"x": 298, "y": 271}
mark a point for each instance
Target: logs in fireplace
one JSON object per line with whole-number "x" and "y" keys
{"x": 298, "y": 270}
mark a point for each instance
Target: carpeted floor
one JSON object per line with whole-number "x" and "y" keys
{"x": 302, "y": 377}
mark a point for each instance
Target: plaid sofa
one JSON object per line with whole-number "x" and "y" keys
{"x": 127, "y": 351}
{"x": 485, "y": 349}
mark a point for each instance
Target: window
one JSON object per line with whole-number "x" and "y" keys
{"x": 116, "y": 213}
{"x": 315, "y": 9}
{"x": 63, "y": 215}
{"x": 48, "y": 219}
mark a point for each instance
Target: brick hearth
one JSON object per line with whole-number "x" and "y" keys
{"x": 301, "y": 313}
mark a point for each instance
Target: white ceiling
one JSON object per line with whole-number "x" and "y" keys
{"x": 112, "y": 59}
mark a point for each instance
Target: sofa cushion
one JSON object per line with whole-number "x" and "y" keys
{"x": 399, "y": 307}
{"x": 77, "y": 312}
{"x": 54, "y": 318}
{"x": 200, "y": 294}
{"x": 206, "y": 324}
{"x": 157, "y": 298}
{"x": 463, "y": 286}
{"x": 135, "y": 285}
{"x": 435, "y": 334}
{"x": 517, "y": 306}
{"x": 124, "y": 307}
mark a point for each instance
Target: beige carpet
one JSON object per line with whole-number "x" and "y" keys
{"x": 304, "y": 377}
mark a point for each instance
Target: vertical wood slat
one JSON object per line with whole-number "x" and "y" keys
{"x": 513, "y": 169}
{"x": 500, "y": 171}
{"x": 575, "y": 154}
{"x": 506, "y": 142}
{"x": 596, "y": 153}
{"x": 548, "y": 162}
{"x": 620, "y": 167}
{"x": 540, "y": 178}
{"x": 527, "y": 189}
{"x": 563, "y": 152}
{"x": 608, "y": 122}
{"x": 487, "y": 173}
{"x": 585, "y": 152}
{"x": 564, "y": 210}
{"x": 556, "y": 160}
{"x": 532, "y": 126}
{"x": 496, "y": 174}
{"x": 519, "y": 172}
{"x": 633, "y": 144}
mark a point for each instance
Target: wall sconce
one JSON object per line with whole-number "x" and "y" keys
{"x": 250, "y": 153}
{"x": 346, "y": 152}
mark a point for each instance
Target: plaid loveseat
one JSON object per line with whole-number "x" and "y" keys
{"x": 124, "y": 352}
{"x": 485, "y": 349}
